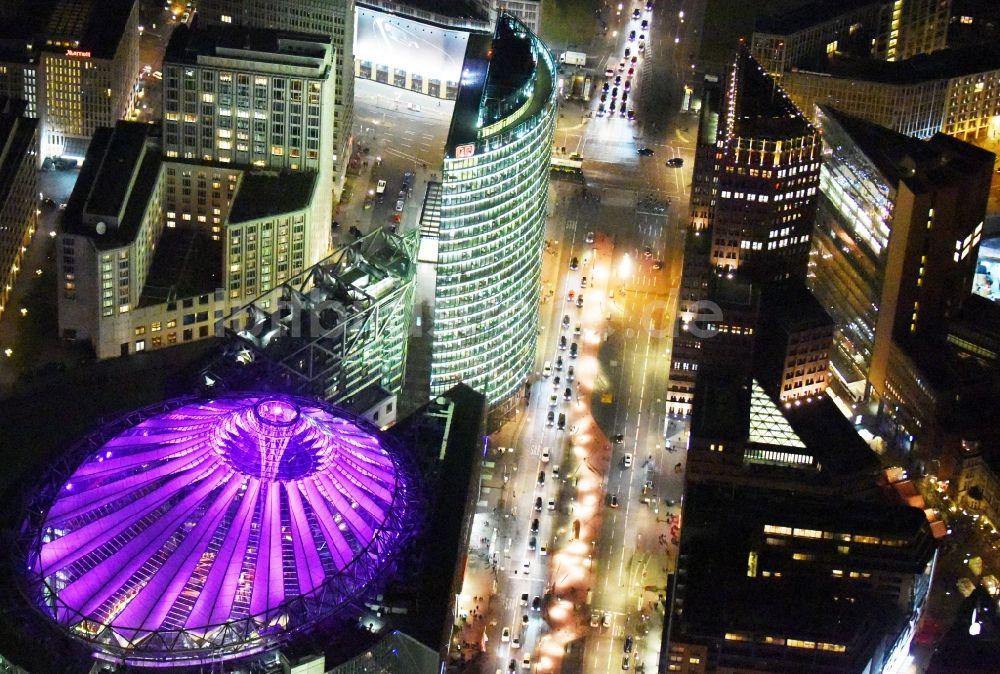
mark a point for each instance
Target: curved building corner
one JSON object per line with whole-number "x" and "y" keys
{"x": 494, "y": 203}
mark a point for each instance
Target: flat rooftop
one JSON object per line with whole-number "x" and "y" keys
{"x": 265, "y": 193}
{"x": 118, "y": 177}
{"x": 940, "y": 65}
{"x": 187, "y": 44}
{"x": 762, "y": 110}
{"x": 454, "y": 9}
{"x": 17, "y": 137}
{"x": 98, "y": 26}
{"x": 187, "y": 263}
{"x": 809, "y": 15}
{"x": 791, "y": 305}
{"x": 923, "y": 165}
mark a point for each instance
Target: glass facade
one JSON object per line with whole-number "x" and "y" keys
{"x": 489, "y": 257}
{"x": 849, "y": 247}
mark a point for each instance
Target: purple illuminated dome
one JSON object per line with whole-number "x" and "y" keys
{"x": 208, "y": 529}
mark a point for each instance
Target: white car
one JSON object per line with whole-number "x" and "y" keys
{"x": 547, "y": 370}
{"x": 545, "y": 455}
{"x": 505, "y": 635}
{"x": 627, "y": 461}
{"x": 515, "y": 643}
{"x": 526, "y": 663}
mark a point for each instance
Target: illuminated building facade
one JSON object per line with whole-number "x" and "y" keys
{"x": 887, "y": 30}
{"x": 249, "y": 97}
{"x": 154, "y": 252}
{"x": 953, "y": 91}
{"x": 897, "y": 238}
{"x": 494, "y": 202}
{"x": 334, "y": 20}
{"x": 76, "y": 65}
{"x": 911, "y": 27}
{"x": 18, "y": 191}
{"x": 785, "y": 40}
{"x": 767, "y": 162}
{"x": 528, "y": 12}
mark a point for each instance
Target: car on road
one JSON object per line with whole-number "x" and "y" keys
{"x": 645, "y": 24}
{"x": 636, "y": 14}
{"x": 570, "y": 374}
{"x": 631, "y": 115}
{"x": 600, "y": 110}
{"x": 573, "y": 350}
{"x": 628, "y": 52}
{"x": 555, "y": 381}
{"x": 547, "y": 369}
{"x": 613, "y": 502}
{"x": 635, "y": 59}
{"x": 555, "y": 471}
{"x": 550, "y": 419}
{"x": 607, "y": 86}
{"x": 621, "y": 66}
{"x": 583, "y": 281}
{"x": 645, "y": 152}
{"x": 534, "y": 526}
{"x": 543, "y": 551}
{"x": 621, "y": 110}
{"x": 553, "y": 401}
{"x": 562, "y": 342}
{"x": 607, "y": 619}
{"x": 532, "y": 544}
{"x": 505, "y": 635}
{"x": 579, "y": 300}
{"x": 574, "y": 263}
{"x": 524, "y": 599}
{"x": 526, "y": 663}
{"x": 536, "y": 603}
{"x": 399, "y": 205}
{"x": 589, "y": 238}
{"x": 565, "y": 320}
{"x": 619, "y": 439}
{"x": 625, "y": 663}
{"x": 577, "y": 330}
{"x": 618, "y": 80}
{"x": 628, "y": 644}
{"x": 595, "y": 618}
{"x": 541, "y": 477}
{"x": 614, "y": 93}
{"x": 631, "y": 36}
{"x": 647, "y": 252}
{"x": 604, "y": 98}
{"x": 628, "y": 88}
{"x": 649, "y": 5}
{"x": 559, "y": 362}
{"x": 631, "y": 71}
{"x": 538, "y": 504}
{"x": 545, "y": 455}
{"x": 627, "y": 460}
{"x": 567, "y": 395}
{"x": 658, "y": 265}
{"x": 512, "y": 667}
{"x": 562, "y": 422}
{"x": 609, "y": 72}
{"x": 675, "y": 161}
{"x": 642, "y": 46}
{"x": 515, "y": 643}
{"x": 552, "y": 504}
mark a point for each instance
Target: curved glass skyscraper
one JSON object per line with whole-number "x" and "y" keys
{"x": 494, "y": 194}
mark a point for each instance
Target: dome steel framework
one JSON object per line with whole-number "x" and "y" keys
{"x": 198, "y": 530}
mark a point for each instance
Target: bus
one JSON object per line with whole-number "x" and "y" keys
{"x": 570, "y": 168}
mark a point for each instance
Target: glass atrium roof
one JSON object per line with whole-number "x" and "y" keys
{"x": 223, "y": 523}
{"x": 767, "y": 424}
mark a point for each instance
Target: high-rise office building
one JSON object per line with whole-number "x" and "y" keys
{"x": 18, "y": 191}
{"x": 494, "y": 203}
{"x": 782, "y": 41}
{"x": 911, "y": 27}
{"x": 333, "y": 19}
{"x": 767, "y": 162}
{"x": 782, "y": 500}
{"x": 887, "y": 30}
{"x": 153, "y": 251}
{"x": 75, "y": 63}
{"x": 896, "y": 241}
{"x": 528, "y": 12}
{"x": 253, "y": 98}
